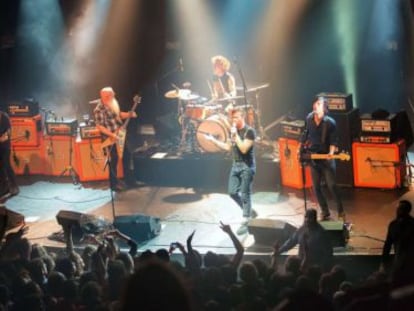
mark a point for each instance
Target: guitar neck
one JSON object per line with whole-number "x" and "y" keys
{"x": 134, "y": 106}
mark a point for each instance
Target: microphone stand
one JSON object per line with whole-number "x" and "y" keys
{"x": 259, "y": 123}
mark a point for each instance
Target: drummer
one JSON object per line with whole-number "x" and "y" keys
{"x": 224, "y": 83}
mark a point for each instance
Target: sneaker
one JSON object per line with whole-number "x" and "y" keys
{"x": 325, "y": 218}
{"x": 242, "y": 230}
{"x": 341, "y": 217}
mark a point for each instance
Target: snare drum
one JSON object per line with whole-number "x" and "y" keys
{"x": 196, "y": 109}
{"x": 216, "y": 125}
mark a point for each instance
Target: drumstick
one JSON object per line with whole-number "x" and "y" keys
{"x": 210, "y": 88}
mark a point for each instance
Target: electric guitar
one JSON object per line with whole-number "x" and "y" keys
{"x": 343, "y": 156}
{"x": 121, "y": 133}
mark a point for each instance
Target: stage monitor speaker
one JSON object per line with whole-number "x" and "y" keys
{"x": 73, "y": 219}
{"x": 379, "y": 165}
{"x": 81, "y": 223}
{"x": 268, "y": 231}
{"x": 290, "y": 167}
{"x": 9, "y": 219}
{"x": 138, "y": 227}
{"x": 337, "y": 231}
{"x": 348, "y": 126}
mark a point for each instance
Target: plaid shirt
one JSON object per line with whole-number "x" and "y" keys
{"x": 105, "y": 117}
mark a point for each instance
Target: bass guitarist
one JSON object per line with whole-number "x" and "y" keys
{"x": 320, "y": 138}
{"x": 109, "y": 120}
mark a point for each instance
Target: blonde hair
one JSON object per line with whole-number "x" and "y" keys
{"x": 222, "y": 61}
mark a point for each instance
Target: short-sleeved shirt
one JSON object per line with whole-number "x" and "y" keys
{"x": 246, "y": 132}
{"x": 318, "y": 137}
{"x": 107, "y": 118}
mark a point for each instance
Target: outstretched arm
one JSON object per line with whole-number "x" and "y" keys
{"x": 237, "y": 258}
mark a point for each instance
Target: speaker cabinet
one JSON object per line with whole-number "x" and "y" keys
{"x": 27, "y": 160}
{"x": 90, "y": 161}
{"x": 9, "y": 219}
{"x": 290, "y": 167}
{"x": 138, "y": 227}
{"x": 348, "y": 126}
{"x": 379, "y": 165}
{"x": 268, "y": 231}
{"x": 26, "y": 131}
{"x": 59, "y": 154}
{"x": 337, "y": 231}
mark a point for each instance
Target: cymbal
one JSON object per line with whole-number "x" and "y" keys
{"x": 171, "y": 94}
{"x": 254, "y": 89}
{"x": 189, "y": 96}
{"x": 228, "y": 98}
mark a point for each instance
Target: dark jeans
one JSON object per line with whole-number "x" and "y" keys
{"x": 325, "y": 169}
{"x": 7, "y": 176}
{"x": 240, "y": 186}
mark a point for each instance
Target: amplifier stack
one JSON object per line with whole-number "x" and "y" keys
{"x": 55, "y": 147}
{"x": 378, "y": 131}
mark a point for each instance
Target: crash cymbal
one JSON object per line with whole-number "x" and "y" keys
{"x": 171, "y": 94}
{"x": 228, "y": 98}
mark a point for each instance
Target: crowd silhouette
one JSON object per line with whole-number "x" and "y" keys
{"x": 100, "y": 276}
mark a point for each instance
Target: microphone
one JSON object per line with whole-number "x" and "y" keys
{"x": 27, "y": 134}
{"x": 180, "y": 64}
{"x": 95, "y": 101}
{"x": 233, "y": 132}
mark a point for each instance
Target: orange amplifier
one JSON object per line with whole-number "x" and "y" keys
{"x": 28, "y": 160}
{"x": 59, "y": 154}
{"x": 64, "y": 127}
{"x": 87, "y": 132}
{"x": 290, "y": 167}
{"x": 26, "y": 131}
{"x": 379, "y": 165}
{"x": 91, "y": 160}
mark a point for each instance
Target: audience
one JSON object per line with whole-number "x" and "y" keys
{"x": 103, "y": 277}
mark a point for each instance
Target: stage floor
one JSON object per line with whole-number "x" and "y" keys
{"x": 185, "y": 209}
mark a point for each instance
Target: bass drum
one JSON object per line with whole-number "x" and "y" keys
{"x": 216, "y": 125}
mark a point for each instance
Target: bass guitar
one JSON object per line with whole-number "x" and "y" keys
{"x": 119, "y": 141}
{"x": 343, "y": 156}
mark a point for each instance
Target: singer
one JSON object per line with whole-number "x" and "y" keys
{"x": 243, "y": 169}
{"x": 8, "y": 184}
{"x": 320, "y": 137}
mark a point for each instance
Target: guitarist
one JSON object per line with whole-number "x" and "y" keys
{"x": 108, "y": 119}
{"x": 320, "y": 137}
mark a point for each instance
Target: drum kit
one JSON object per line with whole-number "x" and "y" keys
{"x": 200, "y": 117}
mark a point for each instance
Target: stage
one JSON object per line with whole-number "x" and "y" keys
{"x": 188, "y": 192}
